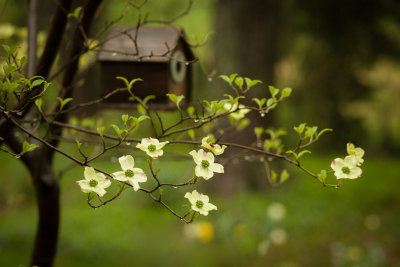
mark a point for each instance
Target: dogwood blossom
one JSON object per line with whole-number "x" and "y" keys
{"x": 94, "y": 182}
{"x": 129, "y": 174}
{"x": 358, "y": 152}
{"x": 152, "y": 147}
{"x": 215, "y": 148}
{"x": 346, "y": 168}
{"x": 205, "y": 164}
{"x": 200, "y": 202}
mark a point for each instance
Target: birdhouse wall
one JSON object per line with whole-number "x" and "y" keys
{"x": 154, "y": 75}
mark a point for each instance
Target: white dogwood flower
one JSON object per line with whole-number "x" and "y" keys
{"x": 358, "y": 152}
{"x": 129, "y": 173}
{"x": 346, "y": 168}
{"x": 200, "y": 202}
{"x": 205, "y": 164}
{"x": 215, "y": 148}
{"x": 152, "y": 147}
{"x": 94, "y": 182}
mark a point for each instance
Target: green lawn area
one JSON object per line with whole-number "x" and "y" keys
{"x": 299, "y": 223}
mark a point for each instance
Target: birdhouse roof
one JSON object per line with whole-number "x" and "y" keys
{"x": 151, "y": 43}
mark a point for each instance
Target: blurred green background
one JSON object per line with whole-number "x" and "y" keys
{"x": 342, "y": 61}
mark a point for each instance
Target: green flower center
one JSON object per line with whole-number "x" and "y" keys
{"x": 151, "y": 148}
{"x": 93, "y": 183}
{"x": 129, "y": 173}
{"x": 205, "y": 163}
{"x": 346, "y": 170}
{"x": 199, "y": 204}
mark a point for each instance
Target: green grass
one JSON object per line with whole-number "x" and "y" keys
{"x": 323, "y": 226}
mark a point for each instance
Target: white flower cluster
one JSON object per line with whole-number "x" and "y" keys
{"x": 205, "y": 168}
{"x": 348, "y": 168}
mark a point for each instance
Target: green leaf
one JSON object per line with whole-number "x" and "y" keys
{"x": 286, "y": 92}
{"x": 141, "y": 110}
{"x": 143, "y": 117}
{"x": 299, "y": 129}
{"x": 116, "y": 128}
{"x": 148, "y": 98}
{"x": 310, "y": 131}
{"x": 274, "y": 91}
{"x": 124, "y": 118}
{"x": 322, "y": 175}
{"x": 100, "y": 130}
{"x": 243, "y": 123}
{"x": 125, "y": 80}
{"x": 284, "y": 176}
{"x": 293, "y": 153}
{"x": 191, "y": 110}
{"x": 302, "y": 153}
{"x": 133, "y": 81}
{"x": 260, "y": 102}
{"x": 258, "y": 131}
{"x": 6, "y": 48}
{"x": 191, "y": 134}
{"x": 76, "y": 13}
{"x": 37, "y": 82}
{"x": 273, "y": 176}
{"x": 232, "y": 77}
{"x": 63, "y": 102}
{"x": 38, "y": 103}
{"x": 323, "y": 131}
{"x": 239, "y": 82}
{"x": 26, "y": 147}
{"x": 271, "y": 103}
{"x": 23, "y": 61}
{"x": 250, "y": 83}
{"x": 79, "y": 144}
{"x": 176, "y": 99}
{"x": 226, "y": 79}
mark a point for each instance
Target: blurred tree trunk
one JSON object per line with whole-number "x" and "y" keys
{"x": 47, "y": 190}
{"x": 247, "y": 43}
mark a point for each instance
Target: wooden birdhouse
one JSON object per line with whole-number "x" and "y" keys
{"x": 159, "y": 56}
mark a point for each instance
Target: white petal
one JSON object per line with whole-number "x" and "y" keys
{"x": 89, "y": 173}
{"x": 84, "y": 185}
{"x": 203, "y": 211}
{"x": 139, "y": 175}
{"x": 204, "y": 198}
{"x": 209, "y": 206}
{"x": 161, "y": 144}
{"x": 135, "y": 184}
{"x": 215, "y": 167}
{"x": 127, "y": 162}
{"x": 142, "y": 147}
{"x": 147, "y": 141}
{"x": 350, "y": 161}
{"x": 208, "y": 156}
{"x": 337, "y": 164}
{"x": 195, "y": 156}
{"x": 100, "y": 176}
{"x": 100, "y": 191}
{"x": 120, "y": 176}
{"x": 155, "y": 154}
{"x": 355, "y": 173}
{"x": 104, "y": 183}
{"x": 203, "y": 172}
{"x": 188, "y": 195}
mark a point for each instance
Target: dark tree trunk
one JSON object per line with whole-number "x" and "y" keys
{"x": 48, "y": 200}
{"x": 247, "y": 44}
